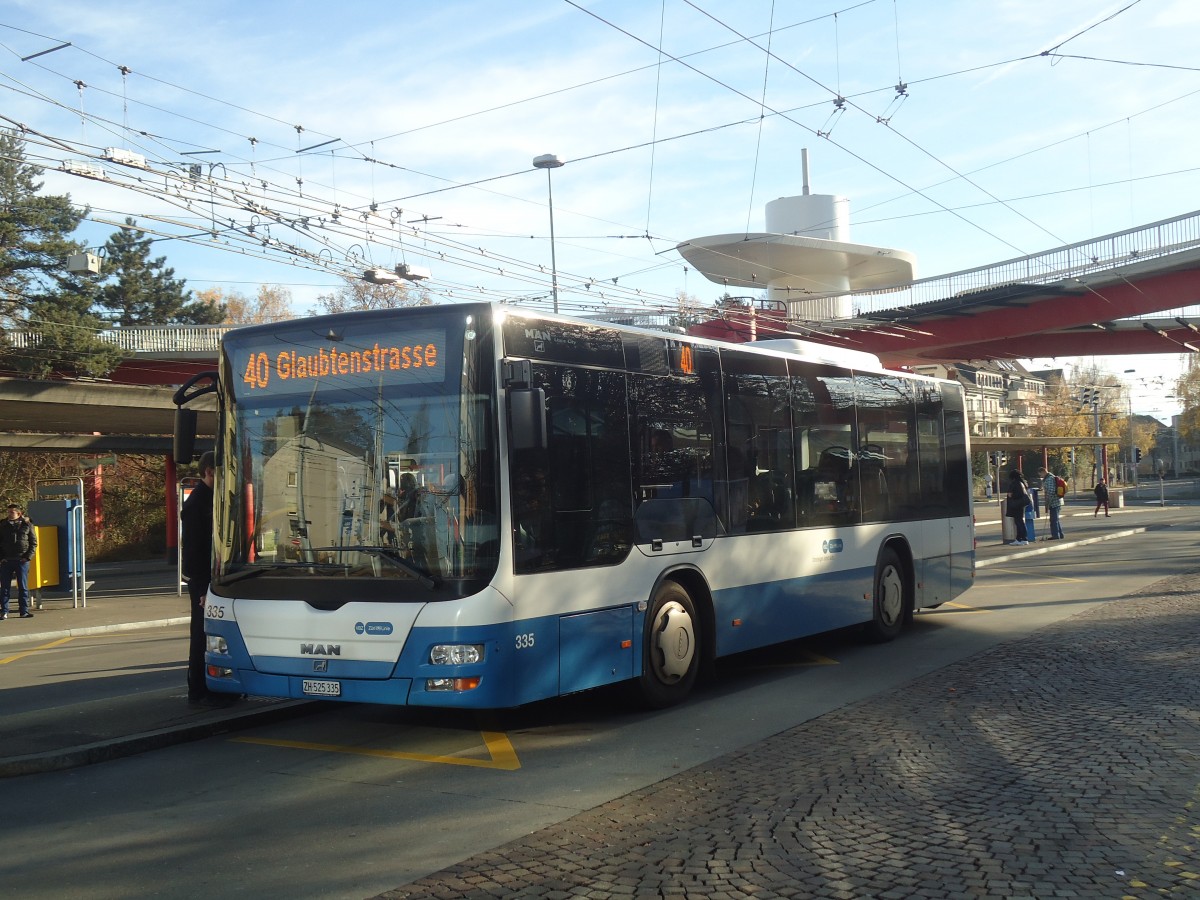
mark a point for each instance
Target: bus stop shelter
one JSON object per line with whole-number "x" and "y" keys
{"x": 1032, "y": 443}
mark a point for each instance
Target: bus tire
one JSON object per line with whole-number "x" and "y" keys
{"x": 890, "y": 605}
{"x": 670, "y": 647}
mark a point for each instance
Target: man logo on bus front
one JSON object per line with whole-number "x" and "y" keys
{"x": 320, "y": 649}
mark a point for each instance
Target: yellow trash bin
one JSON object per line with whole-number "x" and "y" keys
{"x": 43, "y": 568}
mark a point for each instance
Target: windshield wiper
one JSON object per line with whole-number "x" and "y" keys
{"x": 243, "y": 574}
{"x": 388, "y": 554}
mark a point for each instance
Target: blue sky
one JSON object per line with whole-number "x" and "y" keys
{"x": 673, "y": 120}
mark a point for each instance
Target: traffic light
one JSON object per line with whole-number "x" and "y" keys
{"x": 1137, "y": 454}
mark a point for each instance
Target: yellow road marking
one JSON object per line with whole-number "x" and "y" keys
{"x": 500, "y": 751}
{"x": 810, "y": 659}
{"x": 816, "y": 659}
{"x": 959, "y": 606}
{"x": 17, "y": 656}
{"x": 1049, "y": 579}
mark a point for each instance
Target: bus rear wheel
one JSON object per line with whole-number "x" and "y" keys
{"x": 891, "y": 602}
{"x": 670, "y": 647}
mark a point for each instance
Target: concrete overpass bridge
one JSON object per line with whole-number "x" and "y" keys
{"x": 128, "y": 412}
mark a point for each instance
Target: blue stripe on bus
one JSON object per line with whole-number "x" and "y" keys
{"x": 776, "y": 611}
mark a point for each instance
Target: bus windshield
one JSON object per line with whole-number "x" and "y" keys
{"x": 360, "y": 450}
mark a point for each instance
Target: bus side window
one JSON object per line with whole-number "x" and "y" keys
{"x": 832, "y": 480}
{"x": 887, "y": 426}
{"x": 823, "y": 431}
{"x": 758, "y": 443}
{"x": 572, "y": 502}
{"x": 673, "y": 439}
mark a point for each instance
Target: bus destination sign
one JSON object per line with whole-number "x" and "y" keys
{"x": 393, "y": 359}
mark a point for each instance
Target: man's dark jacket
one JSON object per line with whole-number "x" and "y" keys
{"x": 18, "y": 540}
{"x": 197, "y": 519}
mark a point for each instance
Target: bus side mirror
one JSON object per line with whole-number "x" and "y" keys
{"x": 184, "y": 445}
{"x": 527, "y": 418}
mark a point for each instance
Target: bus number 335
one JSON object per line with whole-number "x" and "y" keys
{"x": 524, "y": 641}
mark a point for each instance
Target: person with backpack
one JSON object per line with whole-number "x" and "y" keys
{"x": 1055, "y": 490}
{"x": 1101, "y": 491}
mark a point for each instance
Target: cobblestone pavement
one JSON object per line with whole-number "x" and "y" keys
{"x": 1065, "y": 764}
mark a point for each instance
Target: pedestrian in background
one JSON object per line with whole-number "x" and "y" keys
{"x": 196, "y": 517}
{"x": 1054, "y": 502}
{"x": 1101, "y": 491}
{"x": 1015, "y": 504}
{"x": 18, "y": 542}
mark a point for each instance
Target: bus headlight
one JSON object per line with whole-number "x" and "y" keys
{"x": 455, "y": 654}
{"x": 451, "y": 684}
{"x": 216, "y": 643}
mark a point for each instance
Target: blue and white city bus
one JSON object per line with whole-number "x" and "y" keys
{"x": 476, "y": 506}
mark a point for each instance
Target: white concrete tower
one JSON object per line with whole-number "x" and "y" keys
{"x": 803, "y": 259}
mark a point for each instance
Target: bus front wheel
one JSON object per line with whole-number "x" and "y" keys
{"x": 670, "y": 647}
{"x": 891, "y": 604}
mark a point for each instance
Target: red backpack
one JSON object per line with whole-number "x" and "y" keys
{"x": 1060, "y": 487}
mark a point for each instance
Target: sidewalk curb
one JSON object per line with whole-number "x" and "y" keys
{"x": 1038, "y": 551}
{"x": 133, "y": 744}
{"x": 91, "y": 629}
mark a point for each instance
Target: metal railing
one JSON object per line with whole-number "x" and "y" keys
{"x": 168, "y": 338}
{"x": 148, "y": 339}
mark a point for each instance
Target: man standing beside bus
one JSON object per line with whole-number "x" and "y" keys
{"x": 196, "y": 517}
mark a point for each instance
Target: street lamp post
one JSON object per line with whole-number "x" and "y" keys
{"x": 549, "y": 161}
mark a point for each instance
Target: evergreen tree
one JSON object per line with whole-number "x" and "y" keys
{"x": 44, "y": 304}
{"x": 144, "y": 291}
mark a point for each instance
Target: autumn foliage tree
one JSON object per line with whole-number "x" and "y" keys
{"x": 355, "y": 294}
{"x": 272, "y": 303}
{"x": 1187, "y": 389}
{"x": 1076, "y": 406}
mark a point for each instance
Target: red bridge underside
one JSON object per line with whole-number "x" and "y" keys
{"x": 1082, "y": 322}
